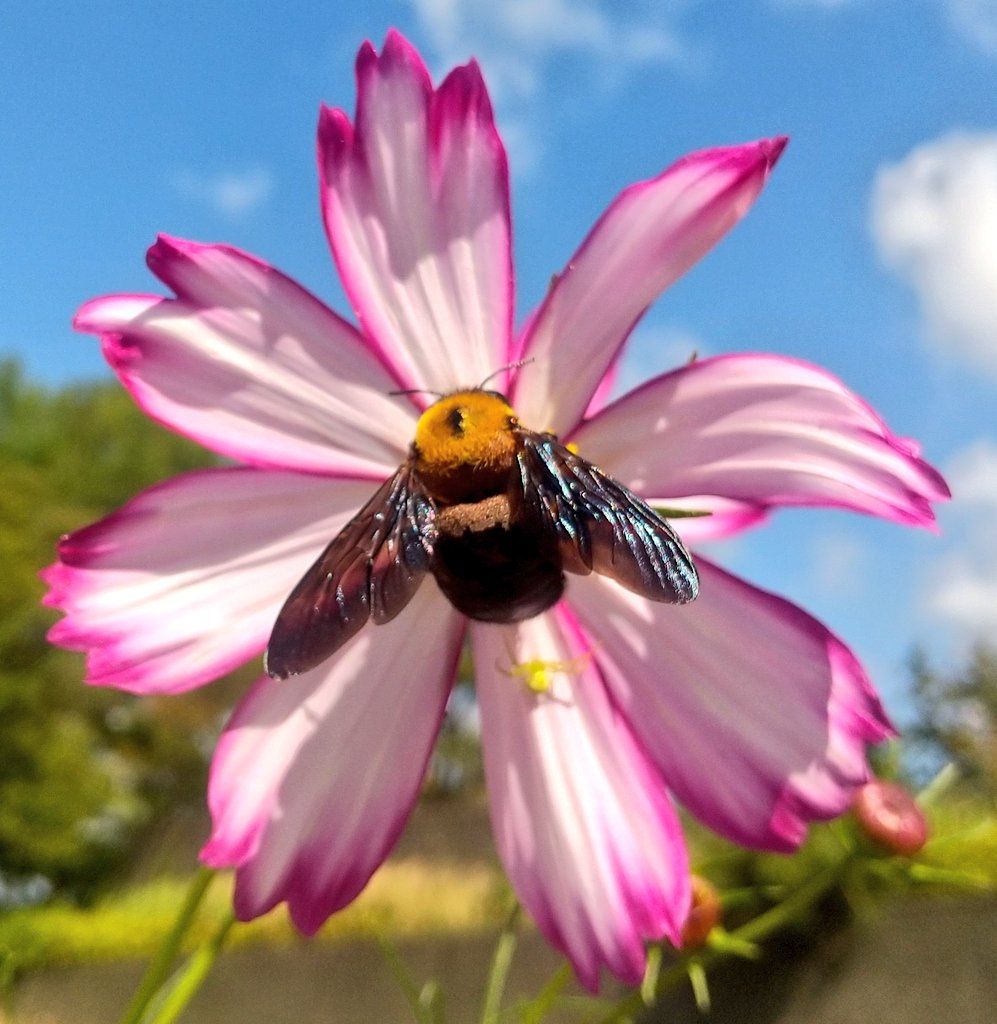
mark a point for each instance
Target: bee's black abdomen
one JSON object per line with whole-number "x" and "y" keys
{"x": 502, "y": 574}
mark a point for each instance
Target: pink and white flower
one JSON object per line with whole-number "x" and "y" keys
{"x": 752, "y": 713}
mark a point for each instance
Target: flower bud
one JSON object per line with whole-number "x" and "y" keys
{"x": 890, "y": 816}
{"x": 705, "y": 913}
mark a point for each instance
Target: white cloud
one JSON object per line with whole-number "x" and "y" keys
{"x": 965, "y": 595}
{"x": 962, "y": 585}
{"x": 972, "y": 475}
{"x": 934, "y": 219}
{"x": 976, "y": 21}
{"x": 515, "y": 39}
{"x": 233, "y": 194}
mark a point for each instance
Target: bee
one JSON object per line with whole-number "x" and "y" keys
{"x": 498, "y": 514}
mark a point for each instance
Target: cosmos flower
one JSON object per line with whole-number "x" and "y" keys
{"x": 594, "y": 713}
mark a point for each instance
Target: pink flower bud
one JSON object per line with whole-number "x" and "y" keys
{"x": 705, "y": 913}
{"x": 888, "y": 814}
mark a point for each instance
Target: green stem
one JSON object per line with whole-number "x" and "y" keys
{"x": 190, "y": 977}
{"x": 401, "y": 974}
{"x": 162, "y": 963}
{"x": 793, "y": 905}
{"x": 537, "y": 1010}
{"x": 700, "y": 988}
{"x": 731, "y": 899}
{"x": 947, "y": 876}
{"x": 431, "y": 997}
{"x": 8, "y": 972}
{"x": 505, "y": 948}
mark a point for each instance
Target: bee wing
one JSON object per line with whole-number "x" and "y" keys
{"x": 600, "y": 525}
{"x": 370, "y": 571}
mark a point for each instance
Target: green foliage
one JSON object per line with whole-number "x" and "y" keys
{"x": 94, "y": 447}
{"x": 81, "y": 768}
{"x": 957, "y": 717}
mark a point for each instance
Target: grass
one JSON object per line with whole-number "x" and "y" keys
{"x": 406, "y": 898}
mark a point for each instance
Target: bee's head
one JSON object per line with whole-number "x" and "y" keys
{"x": 466, "y": 430}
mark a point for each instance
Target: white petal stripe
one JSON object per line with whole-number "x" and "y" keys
{"x": 184, "y": 582}
{"x": 760, "y": 429}
{"x": 757, "y": 716}
{"x": 416, "y": 206}
{"x": 582, "y": 822}
{"x": 315, "y": 775}
{"x": 251, "y": 365}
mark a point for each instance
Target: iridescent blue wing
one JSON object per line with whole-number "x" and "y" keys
{"x": 600, "y": 525}
{"x": 370, "y": 571}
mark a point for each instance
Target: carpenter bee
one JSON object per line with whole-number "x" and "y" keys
{"x": 497, "y": 513}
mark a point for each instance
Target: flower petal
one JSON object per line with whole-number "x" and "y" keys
{"x": 251, "y": 365}
{"x": 416, "y": 205}
{"x": 183, "y": 583}
{"x": 765, "y": 430}
{"x": 314, "y": 776}
{"x": 583, "y": 823}
{"x": 757, "y": 716}
{"x": 650, "y": 235}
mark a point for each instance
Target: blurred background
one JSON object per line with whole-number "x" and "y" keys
{"x": 872, "y": 252}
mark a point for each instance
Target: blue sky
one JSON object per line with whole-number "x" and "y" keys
{"x": 873, "y": 250}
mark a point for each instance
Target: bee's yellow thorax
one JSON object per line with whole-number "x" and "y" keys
{"x": 467, "y": 436}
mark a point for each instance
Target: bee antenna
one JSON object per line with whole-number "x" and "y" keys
{"x": 508, "y": 366}
{"x": 415, "y": 391}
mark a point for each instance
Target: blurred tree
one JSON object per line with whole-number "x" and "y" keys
{"x": 81, "y": 769}
{"x": 957, "y": 717}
